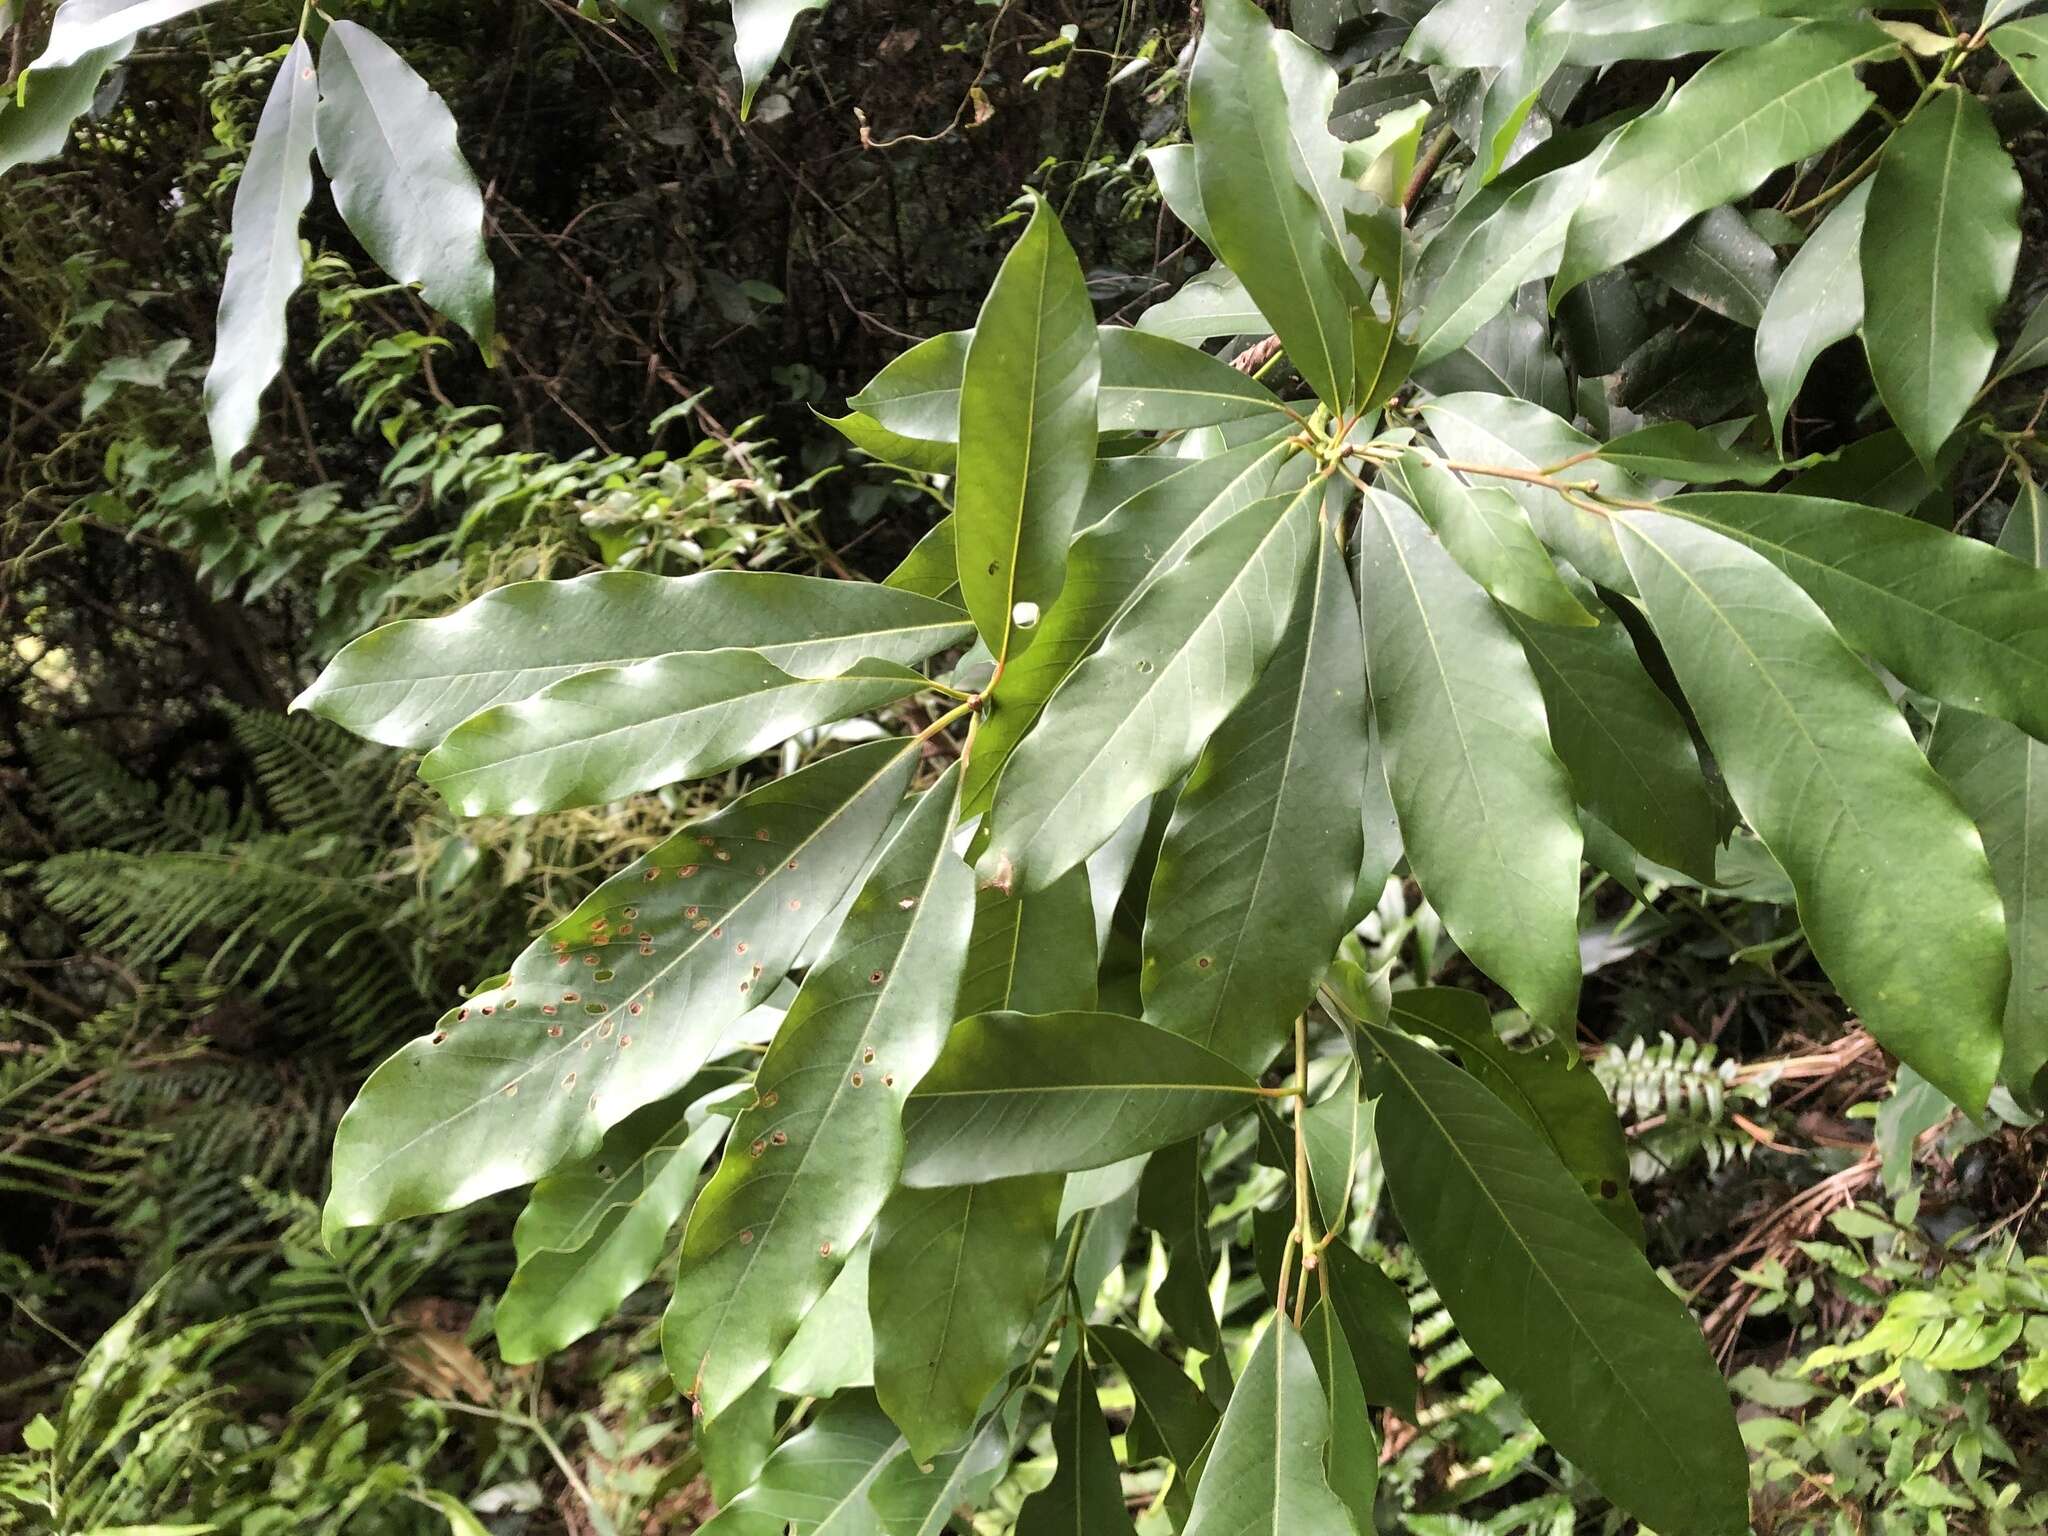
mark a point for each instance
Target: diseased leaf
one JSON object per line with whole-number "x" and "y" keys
{"x": 1027, "y": 426}
{"x": 387, "y": 144}
{"x": 1253, "y": 886}
{"x": 263, "y": 267}
{"x": 614, "y": 731}
{"x": 592, "y": 1234}
{"x": 1133, "y": 716}
{"x": 1086, "y": 1494}
{"x": 1742, "y": 116}
{"x": 1721, "y": 264}
{"x": 409, "y": 684}
{"x": 814, "y": 1156}
{"x": 1894, "y": 892}
{"x": 834, "y": 1346}
{"x": 1556, "y": 1302}
{"x": 956, "y": 1276}
{"x": 1019, "y": 1093}
{"x": 911, "y": 1501}
{"x": 1485, "y": 806}
{"x": 1941, "y": 237}
{"x": 1818, "y": 302}
{"x": 760, "y": 31}
{"x": 529, "y": 1074}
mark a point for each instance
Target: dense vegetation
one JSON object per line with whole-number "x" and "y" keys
{"x": 1320, "y": 897}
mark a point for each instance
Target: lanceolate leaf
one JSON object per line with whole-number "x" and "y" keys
{"x": 1031, "y": 951}
{"x": 813, "y": 1158}
{"x": 1631, "y": 758}
{"x": 956, "y": 1276}
{"x": 592, "y": 1234}
{"x": 613, "y": 731}
{"x": 1112, "y": 561}
{"x": 1027, "y": 429}
{"x": 1351, "y": 1459}
{"x": 1264, "y": 1475}
{"x": 1893, "y": 889}
{"x": 1019, "y": 1093}
{"x": 1209, "y": 304}
{"x": 1086, "y": 1494}
{"x": 1261, "y": 196}
{"x": 1745, "y": 114}
{"x": 1373, "y": 1312}
{"x": 618, "y": 1004}
{"x": 1818, "y": 302}
{"x": 1554, "y": 1301}
{"x": 1253, "y": 887}
{"x": 37, "y": 111}
{"x": 760, "y": 28}
{"x": 387, "y": 143}
{"x": 817, "y": 1481}
{"x": 81, "y": 27}
{"x": 1941, "y": 236}
{"x": 263, "y": 268}
{"x": 877, "y": 441}
{"x": 1951, "y": 616}
{"x": 1173, "y": 1200}
{"x": 1133, "y": 716}
{"x": 1485, "y": 806}
{"x": 1488, "y": 533}
{"x": 409, "y": 684}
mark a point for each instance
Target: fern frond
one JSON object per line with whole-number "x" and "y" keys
{"x": 315, "y": 777}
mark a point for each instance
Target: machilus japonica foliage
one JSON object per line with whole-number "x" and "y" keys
{"x": 916, "y": 1040}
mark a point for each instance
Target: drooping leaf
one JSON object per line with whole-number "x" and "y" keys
{"x": 1086, "y": 1494}
{"x": 1134, "y": 715}
{"x": 738, "y": 1443}
{"x": 1173, "y": 1200}
{"x": 1894, "y": 892}
{"x": 760, "y": 30}
{"x": 1262, "y": 156}
{"x": 1373, "y": 1312}
{"x": 1020, "y": 1093}
{"x": 1110, "y": 563}
{"x": 1472, "y": 34}
{"x": 1264, "y": 1473}
{"x": 1632, "y": 760}
{"x": 1818, "y": 302}
{"x": 1951, "y": 616}
{"x": 1555, "y": 1301}
{"x": 1351, "y": 1461}
{"x": 1608, "y": 31}
{"x": 613, "y": 731}
{"x": 387, "y": 144}
{"x": 81, "y": 27}
{"x": 1941, "y": 237}
{"x": 813, "y": 1158}
{"x": 1253, "y": 886}
{"x": 263, "y": 267}
{"x": 1485, "y": 806}
{"x": 37, "y": 111}
{"x": 592, "y": 1234}
{"x": 918, "y": 393}
{"x": 956, "y": 1276}
{"x": 817, "y": 1481}
{"x": 529, "y": 1074}
{"x": 1027, "y": 433}
{"x": 1488, "y": 534}
{"x": 409, "y": 684}
{"x": 1742, "y": 116}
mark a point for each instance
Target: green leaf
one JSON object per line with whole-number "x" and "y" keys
{"x": 1109, "y": 564}
{"x": 409, "y": 684}
{"x": 1209, "y": 304}
{"x": 1373, "y": 1312}
{"x": 1027, "y": 432}
{"x": 387, "y": 144}
{"x": 1818, "y": 302}
{"x": 1631, "y": 758}
{"x": 956, "y": 1276}
{"x": 1546, "y": 1088}
{"x": 834, "y": 1346}
{"x": 1997, "y": 771}
{"x": 760, "y": 31}
{"x": 592, "y": 1234}
{"x": 1676, "y": 450}
{"x": 1020, "y": 1093}
{"x": 1941, "y": 237}
{"x": 1951, "y": 616}
{"x": 1609, "y": 31}
{"x": 1171, "y": 1407}
{"x": 877, "y": 441}
{"x": 910, "y": 1501}
{"x": 1488, "y": 534}
{"x": 1133, "y": 716}
{"x": 1252, "y": 891}
{"x": 918, "y": 393}
{"x": 2030, "y": 347}
{"x": 2024, "y": 45}
{"x": 738, "y": 1443}
{"x": 1265, "y": 1470}
{"x": 1473, "y": 34}
{"x": 1351, "y": 1458}
{"x": 817, "y": 1481}
{"x": 1556, "y": 1302}
{"x": 1742, "y": 116}
{"x": 81, "y": 27}
{"x": 1031, "y": 951}
{"x": 529, "y": 1074}
{"x": 263, "y": 267}
{"x": 1173, "y": 1200}
{"x": 1893, "y": 889}
{"x": 931, "y": 569}
{"x": 1173, "y": 167}
{"x": 814, "y": 1156}
{"x": 614, "y": 731}
{"x": 37, "y": 111}
{"x": 1721, "y": 264}
{"x": 1485, "y": 806}
{"x": 1086, "y": 1494}
{"x": 1263, "y": 157}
